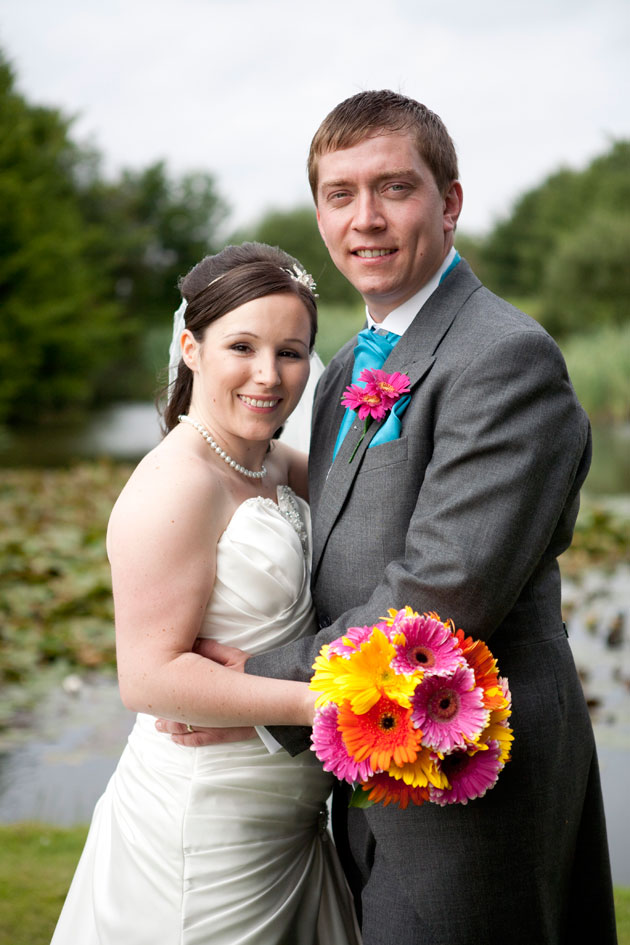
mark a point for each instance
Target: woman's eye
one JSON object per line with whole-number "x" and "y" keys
{"x": 290, "y": 354}
{"x": 240, "y": 347}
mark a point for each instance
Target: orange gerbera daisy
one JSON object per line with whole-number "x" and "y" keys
{"x": 390, "y": 791}
{"x": 485, "y": 668}
{"x": 498, "y": 728}
{"x": 382, "y": 734}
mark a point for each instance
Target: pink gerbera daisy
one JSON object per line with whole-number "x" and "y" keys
{"x": 328, "y": 745}
{"x": 426, "y": 645}
{"x": 389, "y": 387}
{"x": 350, "y": 642}
{"x": 449, "y": 710}
{"x": 378, "y": 395}
{"x": 470, "y": 774}
{"x": 367, "y": 403}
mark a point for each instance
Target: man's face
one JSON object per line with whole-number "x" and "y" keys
{"x": 383, "y": 219}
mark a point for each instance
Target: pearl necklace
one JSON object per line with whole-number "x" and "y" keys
{"x": 250, "y": 473}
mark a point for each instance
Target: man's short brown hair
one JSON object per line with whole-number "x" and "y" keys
{"x": 383, "y": 112}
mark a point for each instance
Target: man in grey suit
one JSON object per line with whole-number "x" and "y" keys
{"x": 464, "y": 512}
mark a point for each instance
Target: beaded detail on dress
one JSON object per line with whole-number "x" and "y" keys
{"x": 289, "y": 509}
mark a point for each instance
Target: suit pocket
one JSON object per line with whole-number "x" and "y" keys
{"x": 386, "y": 454}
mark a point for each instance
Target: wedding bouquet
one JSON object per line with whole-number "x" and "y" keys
{"x": 411, "y": 709}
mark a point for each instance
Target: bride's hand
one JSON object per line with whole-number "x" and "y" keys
{"x": 200, "y": 736}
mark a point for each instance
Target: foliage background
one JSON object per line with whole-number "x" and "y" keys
{"x": 90, "y": 265}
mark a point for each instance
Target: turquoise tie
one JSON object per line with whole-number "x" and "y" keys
{"x": 372, "y": 350}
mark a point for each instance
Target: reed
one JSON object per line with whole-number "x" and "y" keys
{"x": 599, "y": 366}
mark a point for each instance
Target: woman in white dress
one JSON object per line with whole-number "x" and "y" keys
{"x": 225, "y": 844}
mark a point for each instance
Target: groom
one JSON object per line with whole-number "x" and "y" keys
{"x": 463, "y": 511}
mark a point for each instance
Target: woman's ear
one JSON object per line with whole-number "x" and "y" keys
{"x": 190, "y": 349}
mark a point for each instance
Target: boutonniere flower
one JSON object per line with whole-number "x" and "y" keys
{"x": 376, "y": 398}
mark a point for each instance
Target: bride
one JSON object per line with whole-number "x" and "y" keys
{"x": 224, "y": 844}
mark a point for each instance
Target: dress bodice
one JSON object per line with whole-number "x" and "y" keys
{"x": 261, "y": 596}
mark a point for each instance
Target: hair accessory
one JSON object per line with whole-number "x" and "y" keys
{"x": 303, "y": 277}
{"x": 217, "y": 278}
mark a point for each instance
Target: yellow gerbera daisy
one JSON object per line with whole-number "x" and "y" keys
{"x": 367, "y": 675}
{"x": 498, "y": 730}
{"x": 324, "y": 680}
{"x": 421, "y": 772}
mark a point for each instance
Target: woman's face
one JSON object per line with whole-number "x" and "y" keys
{"x": 251, "y": 367}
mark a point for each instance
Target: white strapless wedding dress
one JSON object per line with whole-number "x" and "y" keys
{"x": 227, "y": 844}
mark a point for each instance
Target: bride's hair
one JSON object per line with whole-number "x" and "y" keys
{"x": 219, "y": 284}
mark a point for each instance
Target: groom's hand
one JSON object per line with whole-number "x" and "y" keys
{"x": 234, "y": 659}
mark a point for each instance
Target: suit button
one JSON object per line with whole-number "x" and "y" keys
{"x": 324, "y": 622}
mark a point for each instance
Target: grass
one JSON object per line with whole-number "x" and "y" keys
{"x": 37, "y": 865}
{"x": 622, "y": 909}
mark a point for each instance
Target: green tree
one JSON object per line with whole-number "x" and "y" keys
{"x": 518, "y": 251}
{"x": 58, "y": 318}
{"x": 296, "y": 232}
{"x": 152, "y": 228}
{"x": 586, "y": 282}
{"x": 89, "y": 267}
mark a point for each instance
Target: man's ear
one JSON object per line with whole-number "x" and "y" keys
{"x": 453, "y": 200}
{"x": 190, "y": 349}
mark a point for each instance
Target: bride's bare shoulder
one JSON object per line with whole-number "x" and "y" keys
{"x": 169, "y": 489}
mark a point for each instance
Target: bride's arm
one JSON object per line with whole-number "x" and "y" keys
{"x": 162, "y": 542}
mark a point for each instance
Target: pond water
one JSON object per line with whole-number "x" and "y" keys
{"x": 128, "y": 431}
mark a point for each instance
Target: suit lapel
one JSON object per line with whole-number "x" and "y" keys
{"x": 414, "y": 355}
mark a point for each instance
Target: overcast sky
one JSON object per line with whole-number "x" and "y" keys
{"x": 238, "y": 87}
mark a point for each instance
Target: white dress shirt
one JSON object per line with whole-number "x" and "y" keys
{"x": 399, "y": 319}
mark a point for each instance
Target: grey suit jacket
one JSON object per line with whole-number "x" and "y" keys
{"x": 465, "y": 514}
